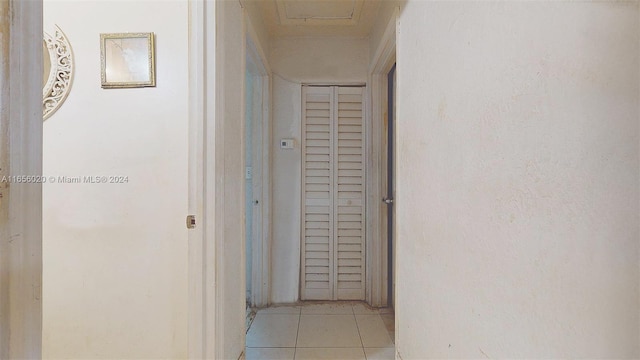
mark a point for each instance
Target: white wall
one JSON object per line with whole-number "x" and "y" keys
{"x": 518, "y": 180}
{"x": 295, "y": 61}
{"x": 115, "y": 255}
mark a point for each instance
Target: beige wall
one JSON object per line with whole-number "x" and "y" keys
{"x": 229, "y": 157}
{"x": 115, "y": 255}
{"x": 4, "y": 162}
{"x": 295, "y": 61}
{"x": 321, "y": 59}
{"x": 387, "y": 9}
{"x": 517, "y": 192}
{"x": 285, "y": 249}
{"x": 254, "y": 18}
{"x": 20, "y": 201}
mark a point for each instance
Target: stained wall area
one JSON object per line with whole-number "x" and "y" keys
{"x": 517, "y": 180}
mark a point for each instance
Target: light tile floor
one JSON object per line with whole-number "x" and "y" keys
{"x": 328, "y": 330}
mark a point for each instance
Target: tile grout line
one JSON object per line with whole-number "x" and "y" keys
{"x": 324, "y": 315}
{"x": 295, "y": 349}
{"x": 359, "y": 335}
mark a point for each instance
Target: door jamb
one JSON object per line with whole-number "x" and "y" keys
{"x": 377, "y": 264}
{"x": 202, "y": 184}
{"x": 260, "y": 278}
{"x": 205, "y": 291}
{"x": 21, "y": 203}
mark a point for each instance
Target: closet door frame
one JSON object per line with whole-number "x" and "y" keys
{"x": 333, "y": 253}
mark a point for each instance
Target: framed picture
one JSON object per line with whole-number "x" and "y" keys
{"x": 128, "y": 60}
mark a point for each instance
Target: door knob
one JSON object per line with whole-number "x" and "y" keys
{"x": 387, "y": 200}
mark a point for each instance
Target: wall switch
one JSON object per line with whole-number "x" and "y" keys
{"x": 248, "y": 173}
{"x": 286, "y": 144}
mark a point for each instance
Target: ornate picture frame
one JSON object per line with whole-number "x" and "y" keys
{"x": 128, "y": 60}
{"x": 58, "y": 71}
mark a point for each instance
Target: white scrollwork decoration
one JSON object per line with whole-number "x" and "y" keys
{"x": 60, "y": 77}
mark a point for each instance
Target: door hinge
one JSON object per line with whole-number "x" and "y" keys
{"x": 191, "y": 221}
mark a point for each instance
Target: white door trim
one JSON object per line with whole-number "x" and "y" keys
{"x": 260, "y": 277}
{"x": 265, "y": 255}
{"x": 20, "y": 203}
{"x": 211, "y": 308}
{"x": 202, "y": 245}
{"x": 377, "y": 264}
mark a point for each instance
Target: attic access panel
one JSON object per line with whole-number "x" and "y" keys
{"x": 319, "y": 12}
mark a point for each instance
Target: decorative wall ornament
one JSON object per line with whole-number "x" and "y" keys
{"x": 58, "y": 71}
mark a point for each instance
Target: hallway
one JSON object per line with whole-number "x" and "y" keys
{"x": 515, "y": 221}
{"x": 321, "y": 330}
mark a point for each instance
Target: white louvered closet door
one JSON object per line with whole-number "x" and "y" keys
{"x": 333, "y": 241}
{"x": 317, "y": 194}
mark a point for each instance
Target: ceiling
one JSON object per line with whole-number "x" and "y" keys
{"x": 286, "y": 18}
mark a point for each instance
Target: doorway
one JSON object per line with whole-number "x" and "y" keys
{"x": 256, "y": 176}
{"x": 390, "y": 176}
{"x": 252, "y": 182}
{"x": 294, "y": 61}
